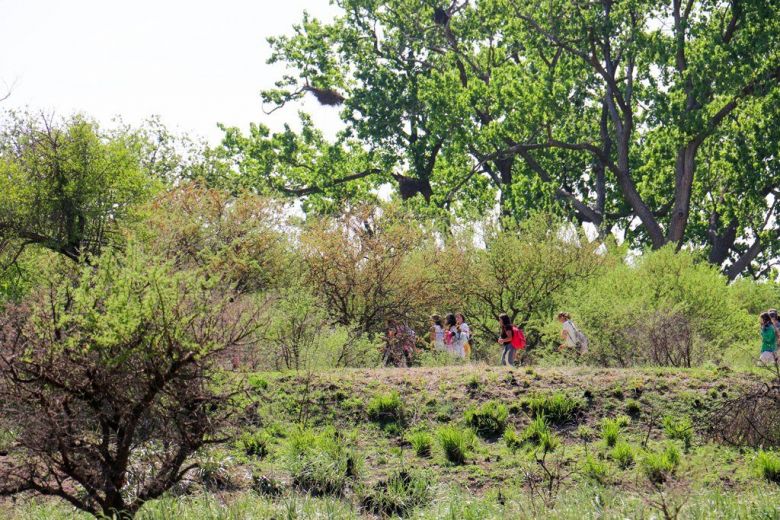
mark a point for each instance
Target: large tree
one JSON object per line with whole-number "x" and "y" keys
{"x": 66, "y": 184}
{"x": 604, "y": 109}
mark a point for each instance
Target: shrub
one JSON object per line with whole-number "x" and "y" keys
{"x": 769, "y": 466}
{"x": 399, "y": 495}
{"x": 558, "y": 408}
{"x": 672, "y": 310}
{"x": 456, "y": 443}
{"x": 623, "y": 455}
{"x": 538, "y": 433}
{"x": 610, "y": 431}
{"x": 386, "y": 408}
{"x": 679, "y": 429}
{"x": 489, "y": 419}
{"x": 321, "y": 463}
{"x": 139, "y": 344}
{"x": 253, "y": 444}
{"x": 421, "y": 442}
{"x": 657, "y": 467}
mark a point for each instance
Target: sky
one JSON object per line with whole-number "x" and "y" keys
{"x": 193, "y": 63}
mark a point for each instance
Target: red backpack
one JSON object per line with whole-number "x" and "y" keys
{"x": 518, "y": 338}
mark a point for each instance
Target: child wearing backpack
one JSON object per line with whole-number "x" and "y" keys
{"x": 572, "y": 336}
{"x": 768, "y": 340}
{"x": 511, "y": 337}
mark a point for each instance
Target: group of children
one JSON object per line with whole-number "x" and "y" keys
{"x": 770, "y": 337}
{"x": 453, "y": 335}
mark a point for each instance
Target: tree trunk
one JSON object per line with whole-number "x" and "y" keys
{"x": 685, "y": 168}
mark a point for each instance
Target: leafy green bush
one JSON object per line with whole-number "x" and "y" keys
{"x": 489, "y": 419}
{"x": 558, "y": 408}
{"x": 421, "y": 441}
{"x": 321, "y": 463}
{"x": 623, "y": 455}
{"x": 456, "y": 443}
{"x": 679, "y": 429}
{"x": 658, "y": 466}
{"x": 253, "y": 444}
{"x": 386, "y": 408}
{"x": 768, "y": 464}
{"x": 610, "y": 431}
{"x": 668, "y": 308}
{"x": 399, "y": 495}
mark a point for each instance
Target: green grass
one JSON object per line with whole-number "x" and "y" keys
{"x": 489, "y": 419}
{"x": 623, "y": 455}
{"x": 659, "y": 466}
{"x": 400, "y": 494}
{"x": 558, "y": 408}
{"x": 421, "y": 441}
{"x": 456, "y": 443}
{"x": 322, "y": 463}
{"x": 768, "y": 464}
{"x": 679, "y": 429}
{"x": 610, "y": 431}
{"x": 386, "y": 408}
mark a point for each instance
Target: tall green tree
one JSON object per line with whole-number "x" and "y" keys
{"x": 66, "y": 184}
{"x": 602, "y": 109}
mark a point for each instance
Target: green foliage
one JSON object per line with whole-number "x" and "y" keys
{"x": 610, "y": 431}
{"x": 322, "y": 463}
{"x": 254, "y": 444}
{"x": 595, "y": 469}
{"x": 538, "y": 434}
{"x": 399, "y": 495}
{"x": 67, "y": 185}
{"x": 421, "y": 441}
{"x": 679, "y": 429}
{"x": 489, "y": 419}
{"x": 768, "y": 465}
{"x": 667, "y": 309}
{"x": 386, "y": 408}
{"x": 456, "y": 443}
{"x": 558, "y": 408}
{"x": 659, "y": 466}
{"x": 512, "y": 440}
{"x": 623, "y": 454}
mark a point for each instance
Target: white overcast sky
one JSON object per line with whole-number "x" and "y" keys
{"x": 193, "y": 62}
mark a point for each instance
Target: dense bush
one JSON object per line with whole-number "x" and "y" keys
{"x": 489, "y": 419}
{"x": 322, "y": 463}
{"x": 116, "y": 367}
{"x": 667, "y": 309}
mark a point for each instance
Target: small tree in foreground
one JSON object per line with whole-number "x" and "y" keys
{"x": 108, "y": 381}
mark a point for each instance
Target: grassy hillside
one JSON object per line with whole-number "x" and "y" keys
{"x": 468, "y": 442}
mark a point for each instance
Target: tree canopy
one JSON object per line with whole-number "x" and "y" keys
{"x": 654, "y": 120}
